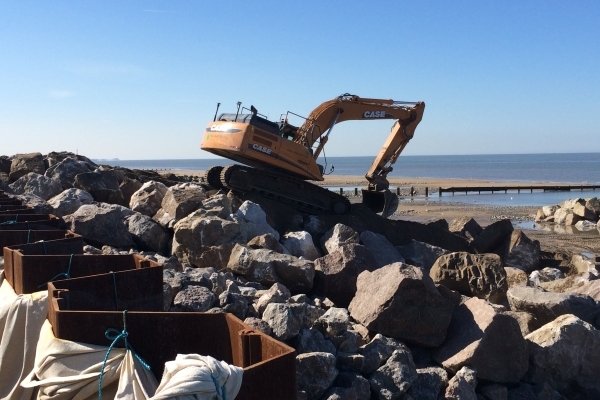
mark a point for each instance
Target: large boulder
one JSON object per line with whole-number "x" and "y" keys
{"x": 593, "y": 203}
{"x": 67, "y": 169}
{"x": 202, "y": 238}
{"x": 253, "y": 221}
{"x": 479, "y": 275}
{"x": 382, "y": 250}
{"x": 484, "y": 339}
{"x": 103, "y": 223}
{"x": 376, "y": 352}
{"x": 22, "y": 164}
{"x": 39, "y": 205}
{"x": 178, "y": 202}
{"x": 148, "y": 234}
{"x": 36, "y": 184}
{"x": 338, "y": 236}
{"x": 128, "y": 187}
{"x": 69, "y": 201}
{"x": 102, "y": 185}
{"x": 147, "y": 200}
{"x": 267, "y": 241}
{"x": 349, "y": 386}
{"x": 466, "y": 227}
{"x": 219, "y": 204}
{"x": 547, "y": 306}
{"x": 300, "y": 244}
{"x": 422, "y": 255}
{"x": 462, "y": 385}
{"x": 268, "y": 267}
{"x": 315, "y": 373}
{"x": 584, "y": 212}
{"x": 493, "y": 236}
{"x": 336, "y": 273}
{"x": 429, "y": 384}
{"x": 399, "y": 301}
{"x": 523, "y": 253}
{"x": 564, "y": 354}
{"x": 393, "y": 379}
{"x": 285, "y": 319}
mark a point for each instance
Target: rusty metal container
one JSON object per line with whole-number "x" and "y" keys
{"x": 17, "y": 237}
{"x": 19, "y": 211}
{"x": 29, "y": 267}
{"x": 8, "y": 201}
{"x": 8, "y": 219}
{"x": 50, "y": 222}
{"x": 5, "y": 207}
{"x": 157, "y": 337}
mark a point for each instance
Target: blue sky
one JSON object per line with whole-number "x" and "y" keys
{"x": 141, "y": 79}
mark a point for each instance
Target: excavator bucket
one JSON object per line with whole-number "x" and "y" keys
{"x": 383, "y": 202}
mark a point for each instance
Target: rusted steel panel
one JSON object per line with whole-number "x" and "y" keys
{"x": 19, "y": 211}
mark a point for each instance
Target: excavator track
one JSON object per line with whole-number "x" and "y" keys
{"x": 302, "y": 195}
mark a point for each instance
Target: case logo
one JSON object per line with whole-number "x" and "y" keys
{"x": 374, "y": 114}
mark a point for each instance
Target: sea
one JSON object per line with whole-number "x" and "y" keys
{"x": 571, "y": 168}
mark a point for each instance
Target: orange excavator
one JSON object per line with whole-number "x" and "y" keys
{"x": 284, "y": 156}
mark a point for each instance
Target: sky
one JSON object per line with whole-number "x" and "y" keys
{"x": 141, "y": 79}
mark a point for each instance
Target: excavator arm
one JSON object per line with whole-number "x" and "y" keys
{"x": 347, "y": 107}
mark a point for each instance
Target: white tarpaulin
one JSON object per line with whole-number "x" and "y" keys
{"x": 21, "y": 318}
{"x": 195, "y": 377}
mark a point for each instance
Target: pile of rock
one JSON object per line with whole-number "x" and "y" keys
{"x": 584, "y": 214}
{"x": 376, "y": 309}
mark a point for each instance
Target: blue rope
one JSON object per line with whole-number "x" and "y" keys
{"x": 67, "y": 274}
{"x": 115, "y": 336}
{"x": 219, "y": 389}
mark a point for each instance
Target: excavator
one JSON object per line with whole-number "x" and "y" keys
{"x": 280, "y": 159}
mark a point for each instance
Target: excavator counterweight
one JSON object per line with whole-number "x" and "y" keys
{"x": 286, "y": 155}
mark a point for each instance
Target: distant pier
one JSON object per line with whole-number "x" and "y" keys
{"x": 518, "y": 189}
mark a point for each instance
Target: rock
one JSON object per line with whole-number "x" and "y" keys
{"x": 593, "y": 203}
{"x": 103, "y": 223}
{"x": 65, "y": 171}
{"x": 382, "y": 250}
{"x": 523, "y": 253}
{"x": 285, "y": 320}
{"x": 536, "y": 278}
{"x": 479, "y": 275}
{"x": 591, "y": 289}
{"x": 462, "y": 385}
{"x": 560, "y": 215}
{"x": 539, "y": 216}
{"x": 277, "y": 293}
{"x": 253, "y": 221}
{"x": 547, "y": 306}
{"x": 315, "y": 373}
{"x": 349, "y": 362}
{"x": 69, "y": 201}
{"x": 493, "y": 236}
{"x": 582, "y": 211}
{"x": 334, "y": 322}
{"x": 35, "y": 184}
{"x": 22, "y": 164}
{"x": 494, "y": 392}
{"x": 399, "y": 301}
{"x": 195, "y": 298}
{"x": 147, "y": 200}
{"x": 102, "y": 185}
{"x": 466, "y": 227}
{"x": 515, "y": 277}
{"x": 561, "y": 354}
{"x": 219, "y": 204}
{"x": 585, "y": 225}
{"x": 178, "y": 202}
{"x": 233, "y": 303}
{"x": 393, "y": 379}
{"x": 5, "y": 163}
{"x": 268, "y": 267}
{"x": 349, "y": 386}
{"x": 128, "y": 187}
{"x": 484, "y": 339}
{"x": 167, "y": 296}
{"x": 300, "y": 244}
{"x": 202, "y": 240}
{"x": 310, "y": 341}
{"x": 336, "y": 273}
{"x": 549, "y": 210}
{"x": 572, "y": 219}
{"x": 421, "y": 254}
{"x": 569, "y": 204}
{"x": 147, "y": 234}
{"x": 268, "y": 242}
{"x": 527, "y": 321}
{"x": 429, "y": 384}
{"x": 259, "y": 325}
{"x": 338, "y": 236}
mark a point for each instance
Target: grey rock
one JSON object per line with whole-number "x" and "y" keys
{"x": 561, "y": 214}
{"x": 382, "y": 250}
{"x": 422, "y": 255}
{"x": 523, "y": 253}
{"x": 336, "y": 273}
{"x": 515, "y": 277}
{"x": 233, "y": 303}
{"x": 309, "y": 341}
{"x": 493, "y": 236}
{"x": 549, "y": 210}
{"x": 349, "y": 362}
{"x": 268, "y": 267}
{"x": 219, "y": 204}
{"x": 547, "y": 306}
{"x": 377, "y": 351}
{"x": 35, "y": 184}
{"x": 548, "y": 274}
{"x": 147, "y": 199}
{"x": 480, "y": 275}
{"x": 585, "y": 262}
{"x": 334, "y": 322}
{"x": 128, "y": 187}
{"x": 494, "y": 392}
{"x": 485, "y": 339}
{"x": 102, "y": 223}
{"x": 285, "y": 320}
{"x": 277, "y": 293}
{"x": 253, "y": 221}
{"x": 195, "y": 298}
{"x": 315, "y": 373}
{"x": 259, "y": 325}
{"x": 178, "y": 202}
{"x": 527, "y": 321}
{"x": 393, "y": 379}
{"x": 349, "y": 386}
{"x": 462, "y": 385}
{"x": 147, "y": 234}
{"x": 102, "y": 185}
{"x": 582, "y": 211}
{"x": 337, "y": 237}
{"x": 268, "y": 242}
{"x": 466, "y": 227}
{"x": 429, "y": 384}
{"x": 561, "y": 354}
{"x": 399, "y": 301}
{"x": 39, "y": 205}
{"x": 167, "y": 296}
{"x": 593, "y": 203}
{"x": 64, "y": 172}
{"x": 300, "y": 244}
{"x": 69, "y": 201}
{"x": 22, "y": 164}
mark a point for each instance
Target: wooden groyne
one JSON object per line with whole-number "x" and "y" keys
{"x": 518, "y": 189}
